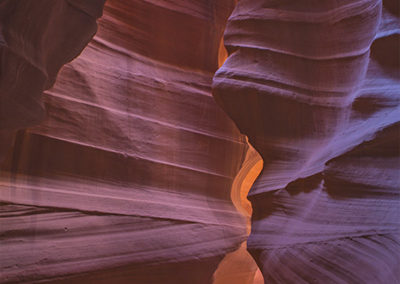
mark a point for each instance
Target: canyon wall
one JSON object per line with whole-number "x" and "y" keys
{"x": 127, "y": 175}
{"x": 315, "y": 86}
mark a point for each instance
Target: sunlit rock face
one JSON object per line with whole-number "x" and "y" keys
{"x": 128, "y": 177}
{"x": 315, "y": 86}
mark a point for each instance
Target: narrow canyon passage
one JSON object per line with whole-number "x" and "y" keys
{"x": 239, "y": 267}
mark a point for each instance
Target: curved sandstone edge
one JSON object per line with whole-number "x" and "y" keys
{"x": 323, "y": 112}
{"x": 34, "y": 50}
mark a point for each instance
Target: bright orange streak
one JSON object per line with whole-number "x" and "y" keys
{"x": 222, "y": 53}
{"x": 239, "y": 267}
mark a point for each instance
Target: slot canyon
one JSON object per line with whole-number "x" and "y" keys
{"x": 200, "y": 141}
